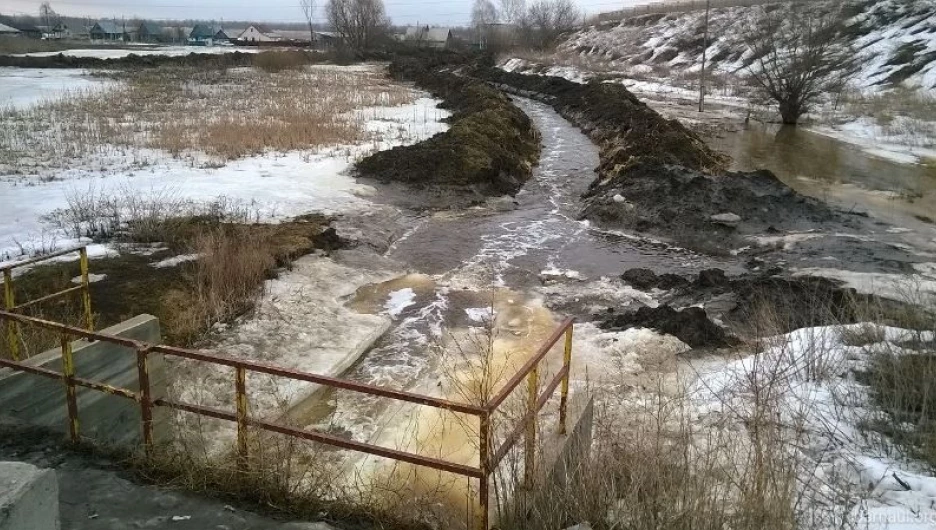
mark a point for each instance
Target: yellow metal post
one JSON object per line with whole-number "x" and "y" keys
{"x": 530, "y": 445}
{"x": 9, "y": 302}
{"x": 240, "y": 387}
{"x": 146, "y": 400}
{"x": 71, "y": 392}
{"x": 483, "y": 493}
{"x": 86, "y": 290}
{"x": 564, "y": 396}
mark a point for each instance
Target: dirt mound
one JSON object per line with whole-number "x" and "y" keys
{"x": 690, "y": 325}
{"x": 658, "y": 177}
{"x": 490, "y": 148}
{"x": 672, "y": 199}
{"x": 627, "y": 130}
{"x": 766, "y": 302}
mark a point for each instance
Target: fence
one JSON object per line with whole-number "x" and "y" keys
{"x": 9, "y": 296}
{"x": 678, "y": 7}
{"x": 489, "y": 456}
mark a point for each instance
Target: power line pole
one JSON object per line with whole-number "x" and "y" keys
{"x": 708, "y": 4}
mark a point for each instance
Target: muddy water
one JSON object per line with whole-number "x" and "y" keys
{"x": 468, "y": 267}
{"x": 842, "y": 174}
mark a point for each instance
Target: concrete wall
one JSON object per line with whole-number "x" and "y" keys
{"x": 560, "y": 469}
{"x": 28, "y": 497}
{"x": 103, "y": 418}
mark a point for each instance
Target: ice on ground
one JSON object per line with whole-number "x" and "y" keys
{"x": 168, "y": 51}
{"x": 174, "y": 260}
{"x": 92, "y": 278}
{"x": 480, "y": 314}
{"x": 302, "y": 324}
{"x": 399, "y": 300}
{"x": 901, "y": 287}
{"x": 24, "y": 87}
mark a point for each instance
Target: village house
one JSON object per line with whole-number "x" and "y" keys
{"x": 258, "y": 34}
{"x": 207, "y": 35}
{"x": 9, "y": 31}
{"x": 149, "y": 32}
{"x": 428, "y": 37}
{"x": 107, "y": 30}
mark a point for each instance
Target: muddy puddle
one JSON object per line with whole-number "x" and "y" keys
{"x": 839, "y": 173}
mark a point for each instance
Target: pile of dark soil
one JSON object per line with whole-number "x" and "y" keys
{"x": 690, "y": 325}
{"x": 752, "y": 305}
{"x": 490, "y": 148}
{"x": 658, "y": 177}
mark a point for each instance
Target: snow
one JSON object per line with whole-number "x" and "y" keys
{"x": 901, "y": 287}
{"x": 168, "y": 51}
{"x": 399, "y": 300}
{"x": 92, "y": 278}
{"x": 275, "y": 186}
{"x": 23, "y": 87}
{"x": 174, "y": 260}
{"x": 812, "y": 372}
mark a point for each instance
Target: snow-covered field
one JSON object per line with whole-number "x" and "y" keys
{"x": 22, "y": 87}
{"x": 118, "y": 53}
{"x": 273, "y": 185}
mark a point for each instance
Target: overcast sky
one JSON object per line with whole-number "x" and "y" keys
{"x": 402, "y": 12}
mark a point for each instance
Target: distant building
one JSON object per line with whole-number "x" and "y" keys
{"x": 427, "y": 37}
{"x": 9, "y": 31}
{"x": 27, "y": 30}
{"x": 206, "y": 35}
{"x": 107, "y": 30}
{"x": 150, "y": 32}
{"x": 258, "y": 34}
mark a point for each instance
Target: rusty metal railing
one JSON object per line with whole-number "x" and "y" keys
{"x": 9, "y": 296}
{"x": 488, "y": 459}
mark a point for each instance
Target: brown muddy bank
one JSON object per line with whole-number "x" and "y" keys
{"x": 489, "y": 150}
{"x": 718, "y": 310}
{"x": 658, "y": 177}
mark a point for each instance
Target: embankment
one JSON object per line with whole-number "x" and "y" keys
{"x": 490, "y": 148}
{"x": 658, "y": 177}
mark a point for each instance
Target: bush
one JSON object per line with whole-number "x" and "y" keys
{"x": 281, "y": 60}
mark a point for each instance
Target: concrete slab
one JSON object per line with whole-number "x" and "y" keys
{"x": 28, "y": 497}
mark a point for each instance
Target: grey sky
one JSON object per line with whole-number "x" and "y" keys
{"x": 453, "y": 12}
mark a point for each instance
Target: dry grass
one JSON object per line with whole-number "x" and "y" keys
{"x": 226, "y": 114}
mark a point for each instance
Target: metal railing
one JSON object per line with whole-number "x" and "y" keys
{"x": 489, "y": 457}
{"x": 9, "y": 297}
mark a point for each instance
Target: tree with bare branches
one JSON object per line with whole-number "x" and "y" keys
{"x": 360, "y": 24}
{"x": 308, "y": 9}
{"x": 483, "y": 15}
{"x": 546, "y": 20}
{"x": 800, "y": 52}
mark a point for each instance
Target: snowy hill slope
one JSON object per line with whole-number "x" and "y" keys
{"x": 897, "y": 39}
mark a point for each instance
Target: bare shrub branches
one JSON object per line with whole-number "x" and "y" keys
{"x": 800, "y": 52}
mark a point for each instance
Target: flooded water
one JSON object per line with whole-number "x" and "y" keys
{"x": 472, "y": 266}
{"x": 834, "y": 171}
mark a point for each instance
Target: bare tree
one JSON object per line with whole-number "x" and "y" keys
{"x": 800, "y": 52}
{"x": 308, "y": 9}
{"x": 546, "y": 20}
{"x": 360, "y": 23}
{"x": 48, "y": 16}
{"x": 511, "y": 11}
{"x": 483, "y": 15}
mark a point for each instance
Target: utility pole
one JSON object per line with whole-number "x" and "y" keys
{"x": 708, "y": 4}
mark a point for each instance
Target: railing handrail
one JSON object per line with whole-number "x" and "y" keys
{"x": 488, "y": 459}
{"x": 44, "y": 257}
{"x": 528, "y": 366}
